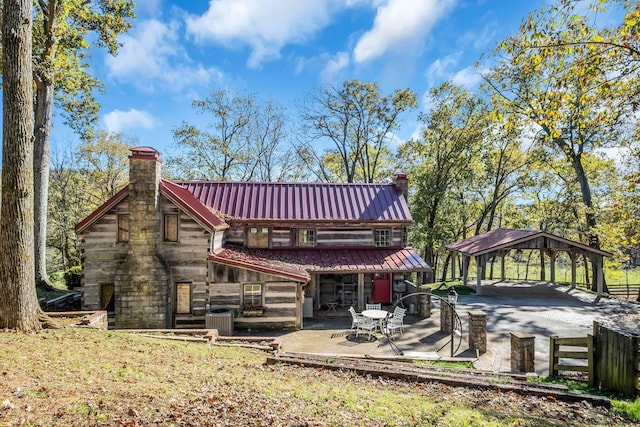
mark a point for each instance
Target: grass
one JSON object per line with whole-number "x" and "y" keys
{"x": 78, "y": 377}
{"x": 445, "y": 363}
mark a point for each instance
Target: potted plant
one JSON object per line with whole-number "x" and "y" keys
{"x": 252, "y": 310}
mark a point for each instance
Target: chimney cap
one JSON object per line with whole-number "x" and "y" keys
{"x": 145, "y": 152}
{"x": 401, "y": 174}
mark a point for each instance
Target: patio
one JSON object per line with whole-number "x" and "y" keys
{"x": 540, "y": 308}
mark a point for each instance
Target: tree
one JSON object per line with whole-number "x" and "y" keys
{"x": 104, "y": 160}
{"x": 18, "y": 300}
{"x": 244, "y": 142}
{"x": 559, "y": 75}
{"x": 442, "y": 163}
{"x": 80, "y": 182}
{"x": 359, "y": 122}
{"x": 61, "y": 34}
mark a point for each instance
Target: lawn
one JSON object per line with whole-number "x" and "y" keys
{"x": 82, "y": 377}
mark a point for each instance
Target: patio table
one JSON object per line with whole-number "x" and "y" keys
{"x": 375, "y": 314}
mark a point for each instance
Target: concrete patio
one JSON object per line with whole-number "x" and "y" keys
{"x": 538, "y": 308}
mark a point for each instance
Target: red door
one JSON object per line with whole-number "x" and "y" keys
{"x": 382, "y": 288}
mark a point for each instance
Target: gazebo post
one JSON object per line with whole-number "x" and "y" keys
{"x": 503, "y": 270}
{"x": 599, "y": 275}
{"x": 573, "y": 256}
{"x": 480, "y": 270}
{"x": 542, "y": 275}
{"x": 465, "y": 269}
{"x": 454, "y": 256}
{"x": 552, "y": 266}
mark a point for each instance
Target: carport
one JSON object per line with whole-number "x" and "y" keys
{"x": 500, "y": 242}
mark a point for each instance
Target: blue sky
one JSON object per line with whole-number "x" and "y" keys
{"x": 282, "y": 50}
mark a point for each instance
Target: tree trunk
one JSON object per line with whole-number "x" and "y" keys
{"x": 41, "y": 161}
{"x": 18, "y": 299}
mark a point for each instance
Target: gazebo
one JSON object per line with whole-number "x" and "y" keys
{"x": 499, "y": 242}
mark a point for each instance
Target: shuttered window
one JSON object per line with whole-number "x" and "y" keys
{"x": 171, "y": 228}
{"x": 123, "y": 228}
{"x": 183, "y": 298}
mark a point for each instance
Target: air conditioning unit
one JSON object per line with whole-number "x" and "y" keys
{"x": 220, "y": 319}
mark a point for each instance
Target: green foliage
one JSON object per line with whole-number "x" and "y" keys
{"x": 564, "y": 75}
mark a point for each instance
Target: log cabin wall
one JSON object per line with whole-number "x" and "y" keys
{"x": 186, "y": 260}
{"x": 101, "y": 257}
{"x": 280, "y": 297}
{"x": 328, "y": 235}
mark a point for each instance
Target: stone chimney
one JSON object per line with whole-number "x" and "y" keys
{"x": 142, "y": 283}
{"x": 402, "y": 183}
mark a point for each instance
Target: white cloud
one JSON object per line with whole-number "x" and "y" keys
{"x": 117, "y": 121}
{"x": 468, "y": 77}
{"x": 440, "y": 69}
{"x": 335, "y": 65}
{"x": 151, "y": 57}
{"x": 266, "y": 26}
{"x": 398, "y": 24}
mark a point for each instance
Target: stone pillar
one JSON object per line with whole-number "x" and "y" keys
{"x": 445, "y": 318}
{"x": 522, "y": 352}
{"x": 478, "y": 331}
{"x": 424, "y": 306}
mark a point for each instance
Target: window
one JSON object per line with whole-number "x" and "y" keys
{"x": 252, "y": 294}
{"x": 123, "y": 228}
{"x": 171, "y": 228}
{"x": 258, "y": 237}
{"x": 306, "y": 238}
{"x": 183, "y": 298}
{"x": 383, "y": 238}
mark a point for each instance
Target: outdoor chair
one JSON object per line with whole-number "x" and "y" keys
{"x": 367, "y": 325}
{"x": 395, "y": 322}
{"x": 377, "y": 306}
{"x": 356, "y": 318}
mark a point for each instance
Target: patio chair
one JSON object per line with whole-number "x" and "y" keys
{"x": 377, "y": 306}
{"x": 367, "y": 325}
{"x": 395, "y": 322}
{"x": 356, "y": 318}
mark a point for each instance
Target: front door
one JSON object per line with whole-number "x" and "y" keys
{"x": 382, "y": 288}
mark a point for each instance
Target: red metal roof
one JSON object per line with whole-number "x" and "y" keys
{"x": 175, "y": 193}
{"x": 506, "y": 237}
{"x": 323, "y": 260}
{"x": 180, "y": 196}
{"x": 104, "y": 208}
{"x": 302, "y": 201}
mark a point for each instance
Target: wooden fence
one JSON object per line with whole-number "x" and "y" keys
{"x": 562, "y": 358}
{"x": 610, "y": 359}
{"x": 624, "y": 291}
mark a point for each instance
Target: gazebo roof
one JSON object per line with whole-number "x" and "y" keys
{"x": 509, "y": 238}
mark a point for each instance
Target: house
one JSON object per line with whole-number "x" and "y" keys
{"x": 163, "y": 254}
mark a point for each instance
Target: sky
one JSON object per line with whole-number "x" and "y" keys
{"x": 282, "y": 50}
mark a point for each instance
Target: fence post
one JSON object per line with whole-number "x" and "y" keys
{"x": 478, "y": 331}
{"x": 522, "y": 352}
{"x": 553, "y": 360}
{"x": 591, "y": 361}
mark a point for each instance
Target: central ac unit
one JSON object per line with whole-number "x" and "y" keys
{"x": 220, "y": 319}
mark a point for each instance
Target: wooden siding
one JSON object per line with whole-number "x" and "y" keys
{"x": 279, "y": 296}
{"x": 101, "y": 256}
{"x": 186, "y": 259}
{"x": 362, "y": 236}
